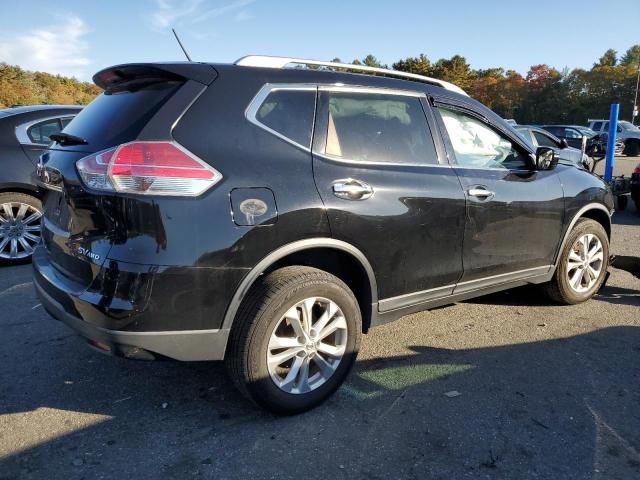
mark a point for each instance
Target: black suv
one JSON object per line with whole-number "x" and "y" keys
{"x": 24, "y": 135}
{"x": 270, "y": 216}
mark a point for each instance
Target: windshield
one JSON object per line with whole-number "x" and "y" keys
{"x": 627, "y": 125}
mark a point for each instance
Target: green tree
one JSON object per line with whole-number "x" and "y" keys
{"x": 609, "y": 59}
{"x": 419, "y": 65}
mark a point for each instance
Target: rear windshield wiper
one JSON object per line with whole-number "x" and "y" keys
{"x": 67, "y": 139}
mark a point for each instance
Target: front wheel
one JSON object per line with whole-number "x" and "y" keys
{"x": 294, "y": 340}
{"x": 582, "y": 265}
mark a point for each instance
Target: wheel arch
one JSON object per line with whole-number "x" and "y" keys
{"x": 25, "y": 188}
{"x": 593, "y": 211}
{"x": 334, "y": 256}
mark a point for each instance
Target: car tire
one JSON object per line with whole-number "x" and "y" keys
{"x": 267, "y": 321}
{"x": 632, "y": 149}
{"x": 569, "y": 286}
{"x": 20, "y": 229}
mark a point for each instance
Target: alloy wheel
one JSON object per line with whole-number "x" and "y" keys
{"x": 584, "y": 263}
{"x": 20, "y": 230}
{"x": 307, "y": 345}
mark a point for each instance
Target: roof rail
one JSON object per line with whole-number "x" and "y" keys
{"x": 282, "y": 62}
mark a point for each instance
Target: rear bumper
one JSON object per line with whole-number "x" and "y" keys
{"x": 70, "y": 307}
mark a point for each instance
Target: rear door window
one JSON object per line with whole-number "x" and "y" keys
{"x": 380, "y": 128}
{"x": 596, "y": 126}
{"x": 40, "y": 132}
{"x": 289, "y": 114}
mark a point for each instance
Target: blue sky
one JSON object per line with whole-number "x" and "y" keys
{"x": 80, "y": 37}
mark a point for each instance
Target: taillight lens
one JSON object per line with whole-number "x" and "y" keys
{"x": 637, "y": 169}
{"x": 148, "y": 168}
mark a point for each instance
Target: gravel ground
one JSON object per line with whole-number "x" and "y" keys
{"x": 504, "y": 386}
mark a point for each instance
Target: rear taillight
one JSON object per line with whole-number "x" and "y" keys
{"x": 148, "y": 168}
{"x": 637, "y": 169}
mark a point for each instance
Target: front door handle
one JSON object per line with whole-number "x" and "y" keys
{"x": 480, "y": 192}
{"x": 352, "y": 189}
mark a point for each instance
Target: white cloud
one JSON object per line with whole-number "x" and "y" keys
{"x": 59, "y": 48}
{"x": 242, "y": 16}
{"x": 171, "y": 13}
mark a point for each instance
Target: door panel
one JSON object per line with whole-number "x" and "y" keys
{"x": 410, "y": 228}
{"x": 514, "y": 213}
{"x": 517, "y": 228}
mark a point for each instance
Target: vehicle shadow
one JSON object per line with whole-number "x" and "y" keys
{"x": 562, "y": 408}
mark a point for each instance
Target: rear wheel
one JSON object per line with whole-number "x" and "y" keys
{"x": 294, "y": 340}
{"x": 20, "y": 229}
{"x": 582, "y": 265}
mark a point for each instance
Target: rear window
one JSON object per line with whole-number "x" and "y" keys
{"x": 118, "y": 117}
{"x": 40, "y": 132}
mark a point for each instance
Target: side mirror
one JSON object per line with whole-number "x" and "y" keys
{"x": 563, "y": 143}
{"x": 546, "y": 158}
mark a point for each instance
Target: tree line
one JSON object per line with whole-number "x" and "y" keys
{"x": 22, "y": 87}
{"x": 543, "y": 95}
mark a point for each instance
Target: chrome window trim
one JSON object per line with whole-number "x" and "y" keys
{"x": 21, "y": 131}
{"x": 365, "y": 163}
{"x": 341, "y": 88}
{"x": 251, "y": 111}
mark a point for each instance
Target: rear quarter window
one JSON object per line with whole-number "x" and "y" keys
{"x": 288, "y": 114}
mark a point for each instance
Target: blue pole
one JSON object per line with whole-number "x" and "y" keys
{"x": 611, "y": 142}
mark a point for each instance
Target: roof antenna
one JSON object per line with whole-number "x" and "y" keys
{"x": 181, "y": 46}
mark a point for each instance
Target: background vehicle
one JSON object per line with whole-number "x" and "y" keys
{"x": 627, "y": 133}
{"x": 542, "y": 138}
{"x": 269, "y": 216}
{"x": 596, "y": 145}
{"x": 24, "y": 134}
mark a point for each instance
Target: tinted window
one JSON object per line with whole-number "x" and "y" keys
{"x": 572, "y": 133}
{"x": 477, "y": 145}
{"x": 605, "y": 126}
{"x": 290, "y": 113}
{"x": 557, "y": 131}
{"x": 544, "y": 141}
{"x": 39, "y": 133}
{"x": 65, "y": 121}
{"x": 114, "y": 118}
{"x": 597, "y": 126}
{"x": 371, "y": 127}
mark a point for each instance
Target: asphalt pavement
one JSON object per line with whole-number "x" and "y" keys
{"x": 503, "y": 386}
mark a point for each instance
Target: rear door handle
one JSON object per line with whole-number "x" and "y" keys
{"x": 480, "y": 192}
{"x": 352, "y": 189}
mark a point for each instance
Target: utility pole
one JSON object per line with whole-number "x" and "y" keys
{"x": 635, "y": 100}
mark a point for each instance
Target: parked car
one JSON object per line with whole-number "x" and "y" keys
{"x": 596, "y": 146}
{"x": 24, "y": 134}
{"x": 542, "y": 138}
{"x": 627, "y": 133}
{"x": 269, "y": 216}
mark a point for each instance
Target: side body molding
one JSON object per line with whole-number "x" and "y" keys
{"x": 288, "y": 249}
{"x": 578, "y": 216}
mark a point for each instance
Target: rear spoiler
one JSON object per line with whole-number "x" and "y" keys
{"x": 119, "y": 76}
